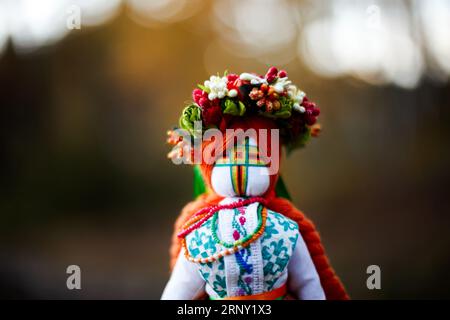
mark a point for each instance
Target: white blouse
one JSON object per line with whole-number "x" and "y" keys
{"x": 300, "y": 275}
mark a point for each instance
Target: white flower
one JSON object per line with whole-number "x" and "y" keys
{"x": 217, "y": 87}
{"x": 254, "y": 79}
{"x": 297, "y": 95}
{"x": 281, "y": 85}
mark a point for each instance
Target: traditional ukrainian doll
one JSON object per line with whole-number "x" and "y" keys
{"x": 242, "y": 238}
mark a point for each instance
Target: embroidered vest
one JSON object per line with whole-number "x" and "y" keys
{"x": 258, "y": 268}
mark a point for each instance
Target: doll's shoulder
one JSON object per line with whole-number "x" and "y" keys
{"x": 200, "y": 242}
{"x": 277, "y": 245}
{"x": 278, "y": 225}
{"x": 281, "y": 220}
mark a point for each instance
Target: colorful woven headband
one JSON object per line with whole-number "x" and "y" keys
{"x": 222, "y": 98}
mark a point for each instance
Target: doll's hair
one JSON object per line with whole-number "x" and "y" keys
{"x": 334, "y": 289}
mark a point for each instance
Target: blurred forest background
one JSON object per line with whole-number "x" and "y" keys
{"x": 84, "y": 177}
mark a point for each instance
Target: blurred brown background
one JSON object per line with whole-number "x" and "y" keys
{"x": 84, "y": 177}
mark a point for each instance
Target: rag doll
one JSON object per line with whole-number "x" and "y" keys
{"x": 241, "y": 238}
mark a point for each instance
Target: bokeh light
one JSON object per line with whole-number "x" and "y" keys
{"x": 377, "y": 42}
{"x": 84, "y": 113}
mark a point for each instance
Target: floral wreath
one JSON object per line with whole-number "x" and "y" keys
{"x": 221, "y": 98}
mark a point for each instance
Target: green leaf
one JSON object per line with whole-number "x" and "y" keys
{"x": 285, "y": 110}
{"x": 203, "y": 88}
{"x": 189, "y": 115}
{"x": 241, "y": 108}
{"x": 230, "y": 107}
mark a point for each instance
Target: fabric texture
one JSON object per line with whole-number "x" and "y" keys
{"x": 185, "y": 282}
{"x": 240, "y": 172}
{"x": 259, "y": 268}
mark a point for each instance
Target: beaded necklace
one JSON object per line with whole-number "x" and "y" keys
{"x": 240, "y": 241}
{"x": 204, "y": 214}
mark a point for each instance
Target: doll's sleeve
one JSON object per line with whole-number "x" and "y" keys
{"x": 185, "y": 283}
{"x": 303, "y": 279}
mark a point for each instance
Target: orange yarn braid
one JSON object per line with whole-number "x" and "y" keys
{"x": 333, "y": 287}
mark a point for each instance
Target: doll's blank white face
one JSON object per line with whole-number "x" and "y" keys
{"x": 241, "y": 173}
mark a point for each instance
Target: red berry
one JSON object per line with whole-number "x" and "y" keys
{"x": 196, "y": 95}
{"x": 272, "y": 70}
{"x": 240, "y": 82}
{"x": 271, "y": 74}
{"x": 203, "y": 102}
{"x": 271, "y": 78}
{"x": 261, "y": 102}
{"x": 282, "y": 74}
{"x": 264, "y": 87}
{"x": 310, "y": 120}
{"x": 308, "y": 105}
{"x": 232, "y": 77}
